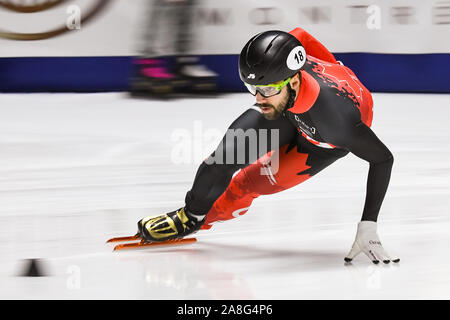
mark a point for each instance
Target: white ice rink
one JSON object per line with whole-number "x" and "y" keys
{"x": 77, "y": 169}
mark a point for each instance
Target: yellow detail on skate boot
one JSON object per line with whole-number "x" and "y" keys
{"x": 182, "y": 215}
{"x": 161, "y": 227}
{"x": 145, "y": 220}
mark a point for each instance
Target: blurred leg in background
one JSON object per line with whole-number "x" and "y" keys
{"x": 165, "y": 64}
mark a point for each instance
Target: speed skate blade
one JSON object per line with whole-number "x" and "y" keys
{"x": 120, "y": 239}
{"x": 143, "y": 244}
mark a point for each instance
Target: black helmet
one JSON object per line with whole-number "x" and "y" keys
{"x": 271, "y": 56}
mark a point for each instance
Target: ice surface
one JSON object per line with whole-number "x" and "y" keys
{"x": 77, "y": 169}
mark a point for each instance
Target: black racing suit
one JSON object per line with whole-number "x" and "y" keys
{"x": 330, "y": 117}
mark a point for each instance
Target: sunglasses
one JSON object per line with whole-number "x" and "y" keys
{"x": 268, "y": 90}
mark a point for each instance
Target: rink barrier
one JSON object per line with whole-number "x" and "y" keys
{"x": 379, "y": 72}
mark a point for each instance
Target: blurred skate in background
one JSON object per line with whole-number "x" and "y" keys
{"x": 165, "y": 65}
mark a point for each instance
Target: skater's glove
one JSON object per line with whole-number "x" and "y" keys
{"x": 367, "y": 241}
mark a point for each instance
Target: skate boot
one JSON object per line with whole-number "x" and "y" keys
{"x": 197, "y": 77}
{"x": 152, "y": 76}
{"x": 173, "y": 225}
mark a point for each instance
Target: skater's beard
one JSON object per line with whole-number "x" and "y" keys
{"x": 277, "y": 110}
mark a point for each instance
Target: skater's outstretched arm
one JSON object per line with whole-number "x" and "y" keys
{"x": 212, "y": 179}
{"x": 362, "y": 142}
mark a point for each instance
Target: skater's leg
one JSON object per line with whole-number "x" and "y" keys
{"x": 296, "y": 164}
